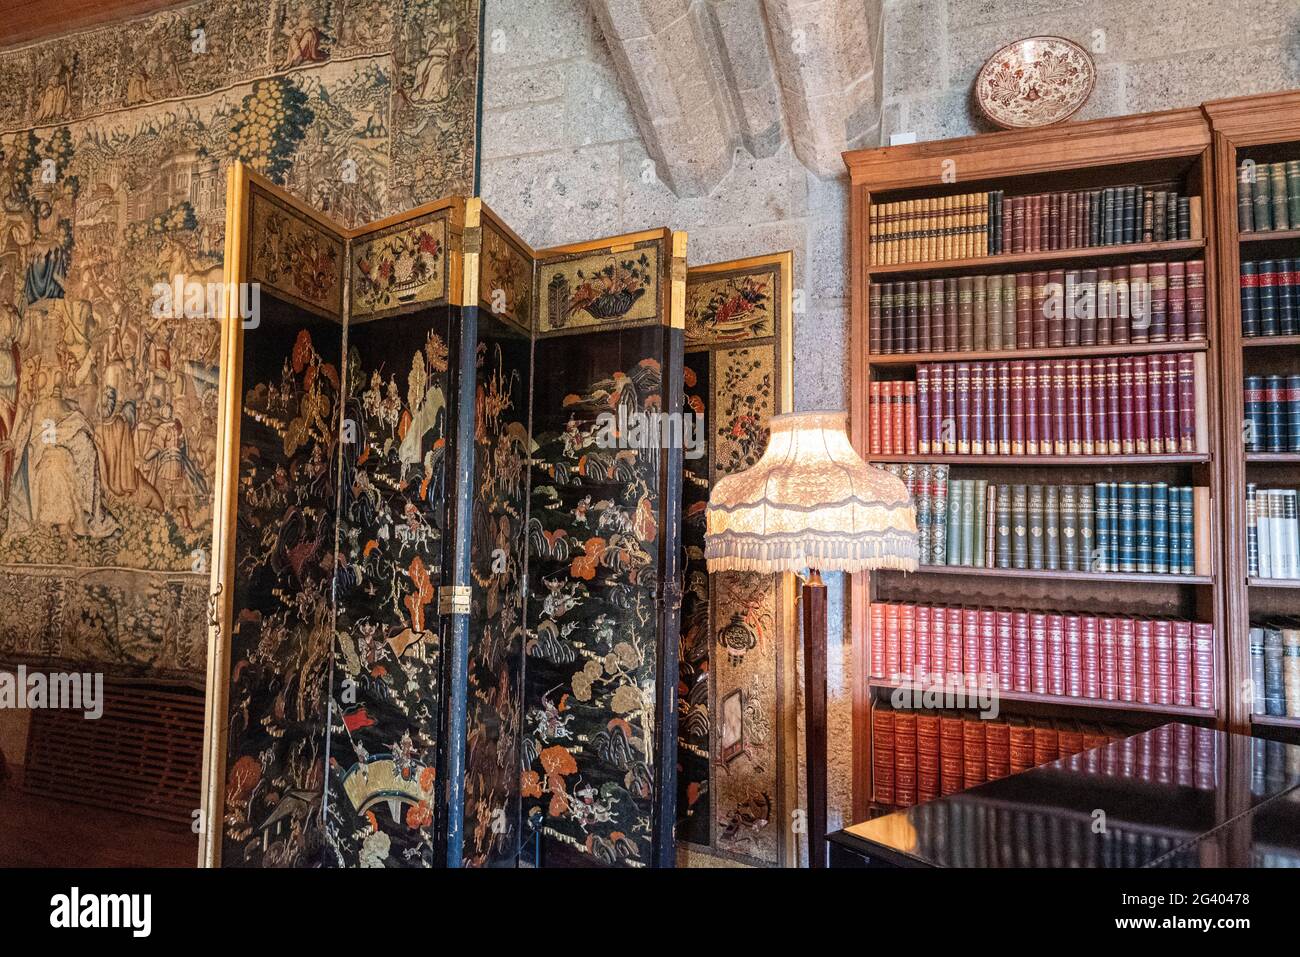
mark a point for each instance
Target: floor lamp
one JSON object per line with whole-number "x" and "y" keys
{"x": 811, "y": 503}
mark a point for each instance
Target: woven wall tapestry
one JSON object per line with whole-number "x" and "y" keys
{"x": 113, "y": 147}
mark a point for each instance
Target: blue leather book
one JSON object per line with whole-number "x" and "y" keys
{"x": 1160, "y": 528}
{"x": 1187, "y": 531}
{"x": 1142, "y": 545}
{"x": 1127, "y": 526}
{"x": 1102, "y": 523}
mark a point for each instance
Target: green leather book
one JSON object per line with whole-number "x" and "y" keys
{"x": 1281, "y": 215}
{"x": 1037, "y": 534}
{"x": 1019, "y": 526}
{"x": 1085, "y": 522}
{"x": 1127, "y": 526}
{"x": 1293, "y": 192}
{"x": 976, "y": 531}
{"x": 921, "y": 500}
{"x": 1245, "y": 197}
{"x": 1263, "y": 198}
{"x": 956, "y": 493}
{"x": 1069, "y": 528}
{"x": 1004, "y": 551}
{"x": 1052, "y": 528}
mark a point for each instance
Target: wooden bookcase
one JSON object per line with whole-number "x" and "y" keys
{"x": 1159, "y": 147}
{"x": 1264, "y": 128}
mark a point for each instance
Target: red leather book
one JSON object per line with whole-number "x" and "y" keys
{"x": 1202, "y": 665}
{"x": 1005, "y": 664}
{"x": 1030, "y": 405}
{"x": 1093, "y": 384}
{"x": 970, "y": 645}
{"x": 1074, "y": 398}
{"x": 1047, "y": 407}
{"x": 939, "y": 643}
{"x": 1114, "y": 429}
{"x": 1032, "y": 235}
{"x": 1069, "y": 737}
{"x": 1119, "y": 317}
{"x": 1105, "y": 305}
{"x": 886, "y": 418}
{"x": 1024, "y": 310}
{"x": 877, "y": 614}
{"x": 991, "y": 434}
{"x": 1090, "y": 641}
{"x": 963, "y": 397}
{"x": 1144, "y": 657}
{"x": 951, "y": 741}
{"x": 1140, "y": 409}
{"x": 997, "y": 747}
{"x": 1158, "y": 277}
{"x": 1040, "y": 309}
{"x": 1186, "y": 402}
{"x": 1018, "y": 372}
{"x": 927, "y": 757}
{"x": 1038, "y": 652}
{"x": 1016, "y": 215}
{"x": 1047, "y": 744}
{"x": 1054, "y": 221}
{"x": 1139, "y": 303}
{"x": 974, "y": 755}
{"x": 882, "y": 755}
{"x": 988, "y": 626}
{"x": 900, "y": 417}
{"x": 1004, "y": 430}
{"x": 1126, "y": 658}
{"x": 1073, "y": 306}
{"x": 893, "y": 640}
{"x": 1126, "y": 430}
{"x": 1060, "y": 416}
{"x": 1021, "y": 659}
{"x": 1183, "y": 679}
{"x": 1155, "y": 404}
{"x": 906, "y": 641}
{"x": 909, "y": 416}
{"x": 1176, "y": 297}
{"x": 977, "y": 410}
{"x": 950, "y": 310}
{"x": 923, "y": 410}
{"x": 938, "y": 342}
{"x": 1108, "y": 645}
{"x": 1056, "y": 654}
{"x": 1168, "y": 400}
{"x": 1073, "y": 656}
{"x": 874, "y": 415}
{"x": 1163, "y": 659}
{"x": 923, "y": 340}
{"x": 1087, "y": 415}
{"x": 1055, "y": 307}
{"x": 1044, "y": 229}
{"x": 937, "y": 410}
{"x": 905, "y": 758}
{"x": 956, "y": 666}
{"x": 1020, "y": 737}
{"x": 921, "y": 638}
{"x": 1005, "y": 240}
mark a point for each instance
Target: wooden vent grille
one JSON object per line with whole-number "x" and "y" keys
{"x": 142, "y": 756}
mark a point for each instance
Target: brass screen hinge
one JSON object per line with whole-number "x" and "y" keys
{"x": 454, "y": 599}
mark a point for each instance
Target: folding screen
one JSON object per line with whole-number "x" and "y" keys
{"x": 372, "y": 698}
{"x": 736, "y": 789}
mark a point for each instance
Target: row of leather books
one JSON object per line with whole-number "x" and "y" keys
{"x": 938, "y": 228}
{"x": 1270, "y": 298}
{"x": 975, "y": 832}
{"x": 1143, "y": 527}
{"x": 917, "y": 756}
{"x": 1272, "y": 413}
{"x": 1107, "y": 305}
{"x": 1272, "y": 532}
{"x": 1158, "y": 661}
{"x": 1275, "y": 667}
{"x": 1120, "y": 405}
{"x": 1268, "y": 196}
{"x": 891, "y": 417}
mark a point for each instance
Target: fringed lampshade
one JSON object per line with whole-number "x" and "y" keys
{"x": 810, "y": 502}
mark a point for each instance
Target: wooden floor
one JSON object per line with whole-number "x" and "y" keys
{"x": 36, "y": 832}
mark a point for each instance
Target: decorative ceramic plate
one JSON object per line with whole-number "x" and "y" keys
{"x": 1035, "y": 82}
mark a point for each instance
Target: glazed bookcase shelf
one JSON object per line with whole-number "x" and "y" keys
{"x": 1265, "y": 127}
{"x": 1087, "y": 704}
{"x": 1159, "y": 147}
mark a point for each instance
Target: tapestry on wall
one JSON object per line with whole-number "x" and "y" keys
{"x": 113, "y": 144}
{"x": 733, "y": 725}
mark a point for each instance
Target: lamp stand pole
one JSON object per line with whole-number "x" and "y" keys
{"x": 814, "y": 676}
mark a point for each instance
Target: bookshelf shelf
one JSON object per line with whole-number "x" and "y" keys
{"x": 1038, "y": 461}
{"x": 1276, "y": 458}
{"x": 1070, "y": 352}
{"x": 1269, "y": 342}
{"x": 975, "y": 264}
{"x": 1058, "y": 575}
{"x": 1099, "y": 704}
{"x": 1275, "y": 721}
{"x": 1270, "y": 235}
{"x": 1165, "y": 151}
{"x": 1273, "y": 582}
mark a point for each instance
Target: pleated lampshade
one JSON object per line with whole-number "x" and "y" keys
{"x": 810, "y": 502}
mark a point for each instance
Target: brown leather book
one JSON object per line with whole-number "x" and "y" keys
{"x": 905, "y": 758}
{"x": 951, "y": 308}
{"x": 1047, "y": 744}
{"x": 1040, "y": 316}
{"x": 974, "y": 754}
{"x": 1119, "y": 319}
{"x": 951, "y": 742}
{"x": 1054, "y": 304}
{"x": 1139, "y": 303}
{"x": 997, "y": 740}
{"x": 1020, "y": 744}
{"x": 1105, "y": 305}
{"x": 882, "y": 754}
{"x": 936, "y": 319}
{"x": 927, "y": 757}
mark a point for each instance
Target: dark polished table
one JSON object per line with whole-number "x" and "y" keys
{"x": 1175, "y": 796}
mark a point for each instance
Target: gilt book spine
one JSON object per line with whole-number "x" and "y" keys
{"x": 938, "y": 515}
{"x": 1194, "y": 279}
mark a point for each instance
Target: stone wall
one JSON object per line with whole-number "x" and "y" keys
{"x": 1151, "y": 55}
